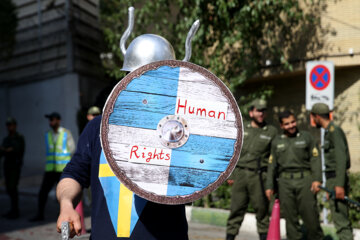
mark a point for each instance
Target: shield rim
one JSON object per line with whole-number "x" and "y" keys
{"x": 104, "y": 130}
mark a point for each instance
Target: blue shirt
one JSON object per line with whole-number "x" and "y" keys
{"x": 154, "y": 221}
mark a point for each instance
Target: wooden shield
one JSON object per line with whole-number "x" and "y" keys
{"x": 171, "y": 132}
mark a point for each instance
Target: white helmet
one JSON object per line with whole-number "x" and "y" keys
{"x": 148, "y": 48}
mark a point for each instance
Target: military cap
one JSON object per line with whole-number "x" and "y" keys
{"x": 320, "y": 108}
{"x": 259, "y": 104}
{"x": 10, "y": 120}
{"x": 94, "y": 110}
{"x": 53, "y": 115}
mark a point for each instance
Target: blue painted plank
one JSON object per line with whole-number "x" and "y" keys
{"x": 129, "y": 109}
{"x": 133, "y": 118}
{"x": 194, "y": 179}
{"x": 198, "y": 161}
{"x": 181, "y": 190}
{"x": 214, "y": 152}
{"x": 163, "y": 81}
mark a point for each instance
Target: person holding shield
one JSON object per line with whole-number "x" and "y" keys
{"x": 117, "y": 213}
{"x": 337, "y": 163}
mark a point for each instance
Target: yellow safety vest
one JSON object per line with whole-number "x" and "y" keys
{"x": 57, "y": 153}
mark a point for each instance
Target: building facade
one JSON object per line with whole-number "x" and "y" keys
{"x": 55, "y": 66}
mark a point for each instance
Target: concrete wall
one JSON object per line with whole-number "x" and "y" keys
{"x": 289, "y": 93}
{"x": 29, "y": 103}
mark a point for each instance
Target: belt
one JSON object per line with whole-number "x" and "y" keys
{"x": 262, "y": 169}
{"x": 330, "y": 174}
{"x": 295, "y": 175}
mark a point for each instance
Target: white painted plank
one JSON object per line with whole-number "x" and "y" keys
{"x": 193, "y": 85}
{"x": 159, "y": 189}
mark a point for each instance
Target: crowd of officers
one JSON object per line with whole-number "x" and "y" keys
{"x": 288, "y": 166}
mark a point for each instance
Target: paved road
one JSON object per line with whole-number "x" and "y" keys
{"x": 22, "y": 229}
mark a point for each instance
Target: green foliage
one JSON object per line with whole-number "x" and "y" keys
{"x": 355, "y": 195}
{"x": 235, "y": 37}
{"x": 8, "y": 24}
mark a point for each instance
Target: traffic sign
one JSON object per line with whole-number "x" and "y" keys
{"x": 319, "y": 83}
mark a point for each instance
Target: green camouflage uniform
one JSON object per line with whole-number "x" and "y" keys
{"x": 295, "y": 161}
{"x": 337, "y": 161}
{"x": 247, "y": 185}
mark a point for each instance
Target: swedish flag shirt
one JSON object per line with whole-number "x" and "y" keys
{"x": 117, "y": 213}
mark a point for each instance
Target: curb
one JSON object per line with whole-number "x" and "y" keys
{"x": 218, "y": 217}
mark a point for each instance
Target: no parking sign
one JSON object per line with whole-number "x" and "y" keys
{"x": 319, "y": 83}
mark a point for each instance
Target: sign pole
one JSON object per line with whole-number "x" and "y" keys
{"x": 320, "y": 81}
{"x": 322, "y": 135}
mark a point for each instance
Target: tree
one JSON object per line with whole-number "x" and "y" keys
{"x": 236, "y": 39}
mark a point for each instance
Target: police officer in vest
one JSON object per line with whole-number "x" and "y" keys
{"x": 250, "y": 173}
{"x": 337, "y": 163}
{"x": 295, "y": 161}
{"x": 59, "y": 148}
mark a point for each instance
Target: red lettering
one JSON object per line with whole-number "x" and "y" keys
{"x": 220, "y": 114}
{"x": 181, "y": 106}
{"x": 167, "y": 157}
{"x": 212, "y": 114}
{"x": 134, "y": 151}
{"x": 201, "y": 110}
{"x": 149, "y": 157}
{"x": 143, "y": 153}
{"x": 193, "y": 110}
{"x": 161, "y": 154}
{"x": 156, "y": 155}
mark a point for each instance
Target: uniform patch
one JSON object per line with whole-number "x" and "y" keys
{"x": 300, "y": 142}
{"x": 331, "y": 129}
{"x": 315, "y": 152}
{"x": 270, "y": 159}
{"x": 246, "y": 133}
{"x": 265, "y": 137}
{"x": 282, "y": 145}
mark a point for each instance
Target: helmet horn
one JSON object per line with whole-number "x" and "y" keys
{"x": 128, "y": 30}
{"x": 189, "y": 38}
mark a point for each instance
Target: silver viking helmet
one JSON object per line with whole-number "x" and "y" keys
{"x": 148, "y": 48}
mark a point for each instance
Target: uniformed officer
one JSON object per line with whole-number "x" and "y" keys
{"x": 295, "y": 161}
{"x": 249, "y": 175}
{"x": 12, "y": 148}
{"x": 337, "y": 162}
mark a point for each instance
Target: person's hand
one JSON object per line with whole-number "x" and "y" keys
{"x": 339, "y": 193}
{"x": 68, "y": 214}
{"x": 315, "y": 187}
{"x": 230, "y": 182}
{"x": 269, "y": 193}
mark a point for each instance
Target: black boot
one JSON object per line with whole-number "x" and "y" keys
{"x": 230, "y": 237}
{"x": 262, "y": 236}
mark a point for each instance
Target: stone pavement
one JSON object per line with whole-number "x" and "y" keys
{"x": 22, "y": 229}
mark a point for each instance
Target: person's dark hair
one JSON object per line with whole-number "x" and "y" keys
{"x": 251, "y": 108}
{"x": 284, "y": 114}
